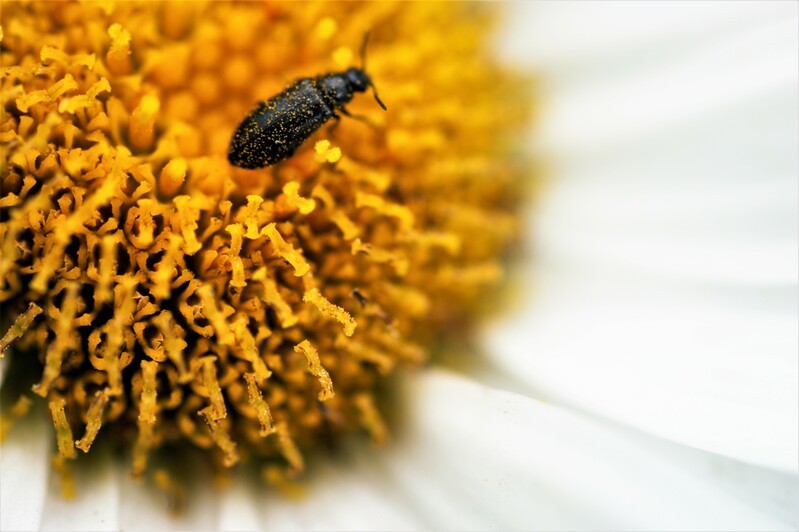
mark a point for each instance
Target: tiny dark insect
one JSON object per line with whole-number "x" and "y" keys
{"x": 278, "y": 126}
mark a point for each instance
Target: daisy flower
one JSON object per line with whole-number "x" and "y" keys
{"x": 646, "y": 378}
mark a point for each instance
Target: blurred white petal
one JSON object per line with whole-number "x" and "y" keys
{"x": 468, "y": 459}
{"x": 674, "y": 63}
{"x": 237, "y": 507}
{"x": 667, "y": 240}
{"x": 24, "y": 469}
{"x": 473, "y": 457}
{"x": 349, "y": 492}
{"x": 97, "y": 501}
{"x": 142, "y": 507}
{"x": 713, "y": 378}
{"x": 556, "y": 36}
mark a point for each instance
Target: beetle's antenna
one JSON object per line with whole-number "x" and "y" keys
{"x": 377, "y": 98}
{"x": 363, "y": 49}
{"x": 363, "y": 67}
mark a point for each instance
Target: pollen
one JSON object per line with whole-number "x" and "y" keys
{"x": 294, "y": 200}
{"x": 19, "y": 327}
{"x": 257, "y": 402}
{"x": 172, "y": 176}
{"x": 156, "y": 296}
{"x": 286, "y": 250}
{"x": 63, "y": 431}
{"x": 118, "y": 55}
{"x": 326, "y": 152}
{"x": 94, "y": 420}
{"x": 330, "y": 310}
{"x": 315, "y": 368}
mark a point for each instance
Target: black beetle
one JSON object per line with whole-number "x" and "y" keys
{"x": 276, "y": 127}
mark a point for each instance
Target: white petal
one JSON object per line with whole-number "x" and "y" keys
{"x": 655, "y": 79}
{"x": 238, "y": 507}
{"x": 96, "y": 504}
{"x": 468, "y": 457}
{"x": 559, "y": 36}
{"x": 666, "y": 243}
{"x": 344, "y": 492}
{"x": 143, "y": 507}
{"x": 24, "y": 469}
{"x": 476, "y": 458}
{"x": 718, "y": 379}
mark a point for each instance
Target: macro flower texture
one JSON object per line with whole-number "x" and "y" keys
{"x": 551, "y": 287}
{"x": 157, "y": 297}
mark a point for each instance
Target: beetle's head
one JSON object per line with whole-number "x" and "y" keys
{"x": 358, "y": 79}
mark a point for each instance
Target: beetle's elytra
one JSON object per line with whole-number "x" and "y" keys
{"x": 278, "y": 126}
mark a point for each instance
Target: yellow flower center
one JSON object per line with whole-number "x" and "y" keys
{"x": 166, "y": 294}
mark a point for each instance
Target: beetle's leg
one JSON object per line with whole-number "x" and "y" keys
{"x": 356, "y": 117}
{"x": 361, "y": 118}
{"x": 334, "y": 125}
{"x": 277, "y": 168}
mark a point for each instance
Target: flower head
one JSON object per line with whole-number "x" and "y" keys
{"x": 173, "y": 299}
